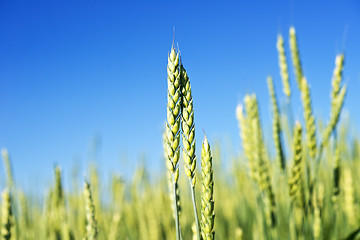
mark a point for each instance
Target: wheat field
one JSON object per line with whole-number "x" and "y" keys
{"x": 299, "y": 185}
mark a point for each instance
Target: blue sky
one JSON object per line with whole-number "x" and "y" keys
{"x": 75, "y": 71}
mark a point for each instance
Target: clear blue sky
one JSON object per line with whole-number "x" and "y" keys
{"x": 72, "y": 70}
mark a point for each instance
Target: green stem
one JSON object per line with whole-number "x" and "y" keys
{"x": 195, "y": 211}
{"x": 177, "y": 224}
{"x": 290, "y": 115}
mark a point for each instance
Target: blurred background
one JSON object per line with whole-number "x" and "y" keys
{"x": 84, "y": 80}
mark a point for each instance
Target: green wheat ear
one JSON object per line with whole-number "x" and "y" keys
{"x": 283, "y": 65}
{"x": 276, "y": 126}
{"x": 58, "y": 195}
{"x": 309, "y": 118}
{"x": 8, "y": 169}
{"x": 337, "y": 77}
{"x": 207, "y": 195}
{"x": 91, "y": 226}
{"x": 296, "y": 181}
{"x": 173, "y": 126}
{"x": 252, "y": 124}
{"x": 173, "y": 114}
{"x": 188, "y": 126}
{"x": 245, "y": 133}
{"x": 295, "y": 56}
{"x": 6, "y": 215}
{"x": 188, "y": 137}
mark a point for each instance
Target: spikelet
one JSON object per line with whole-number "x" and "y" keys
{"x": 170, "y": 185}
{"x": 295, "y": 56}
{"x": 7, "y": 216}
{"x": 91, "y": 226}
{"x": 276, "y": 126}
{"x": 173, "y": 114}
{"x": 207, "y": 195}
{"x": 188, "y": 126}
{"x": 334, "y": 117}
{"x": 296, "y": 181}
{"x": 283, "y": 65}
{"x": 309, "y": 118}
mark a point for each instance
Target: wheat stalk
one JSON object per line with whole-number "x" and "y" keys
{"x": 336, "y": 175}
{"x": 207, "y": 195}
{"x": 338, "y": 104}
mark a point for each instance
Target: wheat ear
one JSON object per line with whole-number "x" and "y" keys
{"x": 188, "y": 137}
{"x": 283, "y": 66}
{"x": 173, "y": 126}
{"x": 309, "y": 118}
{"x": 251, "y": 125}
{"x": 91, "y": 226}
{"x": 276, "y": 126}
{"x": 58, "y": 195}
{"x": 207, "y": 195}
{"x": 296, "y": 181}
{"x": 7, "y": 215}
{"x": 337, "y": 77}
{"x": 8, "y": 168}
{"x": 295, "y": 56}
{"x": 245, "y": 134}
{"x": 170, "y": 184}
{"x": 263, "y": 163}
